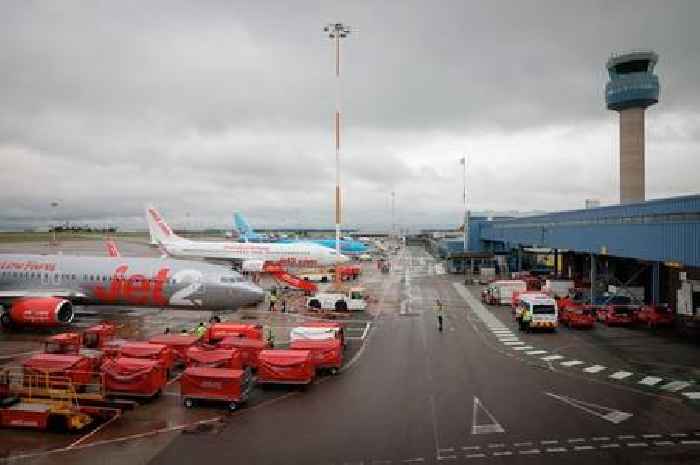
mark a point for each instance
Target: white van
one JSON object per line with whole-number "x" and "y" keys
{"x": 543, "y": 309}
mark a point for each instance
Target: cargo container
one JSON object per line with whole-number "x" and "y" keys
{"x": 214, "y": 384}
{"x": 326, "y": 354}
{"x": 133, "y": 377}
{"x": 285, "y": 367}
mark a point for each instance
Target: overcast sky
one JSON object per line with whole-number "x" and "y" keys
{"x": 207, "y": 107}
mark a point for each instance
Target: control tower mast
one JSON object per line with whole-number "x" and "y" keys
{"x": 632, "y": 88}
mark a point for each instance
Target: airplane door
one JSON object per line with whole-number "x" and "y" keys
{"x": 45, "y": 279}
{"x": 56, "y": 278}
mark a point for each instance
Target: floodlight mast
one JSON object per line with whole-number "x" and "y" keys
{"x": 337, "y": 31}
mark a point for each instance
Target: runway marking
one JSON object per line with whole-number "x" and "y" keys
{"x": 471, "y": 447}
{"x": 522, "y": 444}
{"x": 536, "y": 352}
{"x": 489, "y": 428}
{"x": 549, "y": 441}
{"x": 609, "y": 445}
{"x": 637, "y": 444}
{"x": 549, "y": 358}
{"x": 572, "y": 363}
{"x": 414, "y": 460}
{"x": 529, "y": 452}
{"x": 626, "y": 436}
{"x": 679, "y": 435}
{"x": 594, "y": 369}
{"x": 621, "y": 375}
{"x": 446, "y": 457}
{"x": 475, "y": 456}
{"x": 447, "y": 449}
{"x": 584, "y": 447}
{"x": 523, "y": 348}
{"x": 605, "y": 413}
{"x": 513, "y": 343}
{"x": 650, "y": 381}
{"x": 675, "y": 386}
{"x": 651, "y": 436}
{"x": 556, "y": 449}
{"x": 496, "y": 445}
{"x": 692, "y": 395}
{"x": 577, "y": 440}
{"x": 600, "y": 438}
{"x": 690, "y": 441}
{"x": 502, "y": 452}
{"x": 664, "y": 443}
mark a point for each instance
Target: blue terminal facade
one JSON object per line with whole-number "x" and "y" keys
{"x": 665, "y": 230}
{"x": 633, "y": 83}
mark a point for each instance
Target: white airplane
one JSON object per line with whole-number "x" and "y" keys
{"x": 249, "y": 256}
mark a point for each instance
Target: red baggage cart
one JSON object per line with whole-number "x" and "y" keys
{"x": 133, "y": 377}
{"x": 285, "y": 367}
{"x": 71, "y": 344}
{"x": 216, "y": 384}
{"x": 144, "y": 350}
{"x": 218, "y": 331}
{"x": 214, "y": 358}
{"x": 113, "y": 347}
{"x": 56, "y": 370}
{"x": 249, "y": 349}
{"x": 96, "y": 336}
{"x": 337, "y": 327}
{"x": 179, "y": 344}
{"x": 325, "y": 353}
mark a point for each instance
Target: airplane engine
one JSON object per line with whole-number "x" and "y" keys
{"x": 252, "y": 265}
{"x": 38, "y": 311}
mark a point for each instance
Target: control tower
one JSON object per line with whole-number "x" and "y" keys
{"x": 632, "y": 88}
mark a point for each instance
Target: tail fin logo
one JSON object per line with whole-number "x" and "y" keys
{"x": 160, "y": 222}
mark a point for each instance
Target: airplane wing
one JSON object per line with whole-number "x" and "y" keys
{"x": 65, "y": 293}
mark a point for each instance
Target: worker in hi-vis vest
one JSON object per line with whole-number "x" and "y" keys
{"x": 440, "y": 312}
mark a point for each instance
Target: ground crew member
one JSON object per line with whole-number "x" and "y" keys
{"x": 284, "y": 305}
{"x": 200, "y": 329}
{"x": 273, "y": 300}
{"x": 167, "y": 331}
{"x": 525, "y": 319}
{"x": 440, "y": 312}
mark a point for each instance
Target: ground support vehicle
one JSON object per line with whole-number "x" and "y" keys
{"x": 326, "y": 354}
{"x": 178, "y": 344}
{"x": 311, "y": 330}
{"x": 96, "y": 336}
{"x": 215, "y": 384}
{"x": 71, "y": 344}
{"x": 133, "y": 377}
{"x": 501, "y": 292}
{"x": 214, "y": 358}
{"x": 249, "y": 348}
{"x": 558, "y": 287}
{"x": 218, "y": 331}
{"x": 143, "y": 350}
{"x": 655, "y": 316}
{"x": 285, "y": 367}
{"x": 352, "y": 299}
{"x": 543, "y": 312}
{"x": 61, "y": 369}
{"x": 618, "y": 315}
{"x": 577, "y": 316}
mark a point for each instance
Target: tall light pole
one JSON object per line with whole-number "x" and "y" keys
{"x": 54, "y": 205}
{"x": 393, "y": 214}
{"x": 337, "y": 31}
{"x": 463, "y": 162}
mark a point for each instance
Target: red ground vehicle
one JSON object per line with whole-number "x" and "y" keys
{"x": 654, "y": 316}
{"x": 578, "y": 316}
{"x": 143, "y": 350}
{"x": 285, "y": 367}
{"x": 348, "y": 272}
{"x": 96, "y": 336}
{"x": 57, "y": 370}
{"x": 218, "y": 331}
{"x": 71, "y": 344}
{"x": 249, "y": 348}
{"x": 134, "y": 377}
{"x": 113, "y": 347}
{"x": 617, "y": 315}
{"x": 325, "y": 353}
{"x": 215, "y": 358}
{"x": 216, "y": 384}
{"x": 179, "y": 344}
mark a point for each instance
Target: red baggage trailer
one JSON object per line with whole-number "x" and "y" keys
{"x": 178, "y": 344}
{"x": 218, "y": 331}
{"x": 146, "y": 351}
{"x": 214, "y": 358}
{"x": 96, "y": 336}
{"x": 113, "y": 347}
{"x": 249, "y": 348}
{"x": 57, "y": 370}
{"x": 133, "y": 377}
{"x": 325, "y": 353}
{"x": 285, "y": 367}
{"x": 217, "y": 384}
{"x": 72, "y": 344}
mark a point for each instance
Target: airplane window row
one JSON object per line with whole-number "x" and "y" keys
{"x": 65, "y": 277}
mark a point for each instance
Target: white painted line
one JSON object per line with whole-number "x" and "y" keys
{"x": 584, "y": 447}
{"x": 557, "y": 449}
{"x": 605, "y": 413}
{"x": 536, "y": 352}
{"x": 488, "y": 428}
{"x": 447, "y": 457}
{"x": 529, "y": 451}
{"x": 549, "y": 358}
{"x": 675, "y": 386}
{"x": 495, "y": 445}
{"x": 664, "y": 443}
{"x": 475, "y": 456}
{"x": 609, "y": 446}
{"x": 523, "y": 348}
{"x": 513, "y": 343}
{"x": 577, "y": 440}
{"x": 594, "y": 369}
{"x": 503, "y": 452}
{"x": 621, "y": 375}
{"x": 471, "y": 447}
{"x": 692, "y": 395}
{"x": 414, "y": 460}
{"x": 626, "y": 436}
{"x": 650, "y": 380}
{"x": 651, "y": 436}
{"x": 447, "y": 449}
{"x": 679, "y": 435}
{"x": 554, "y": 441}
{"x": 522, "y": 444}
{"x": 364, "y": 334}
{"x": 600, "y": 438}
{"x": 637, "y": 444}
{"x": 690, "y": 441}
{"x": 508, "y": 339}
{"x": 572, "y": 363}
